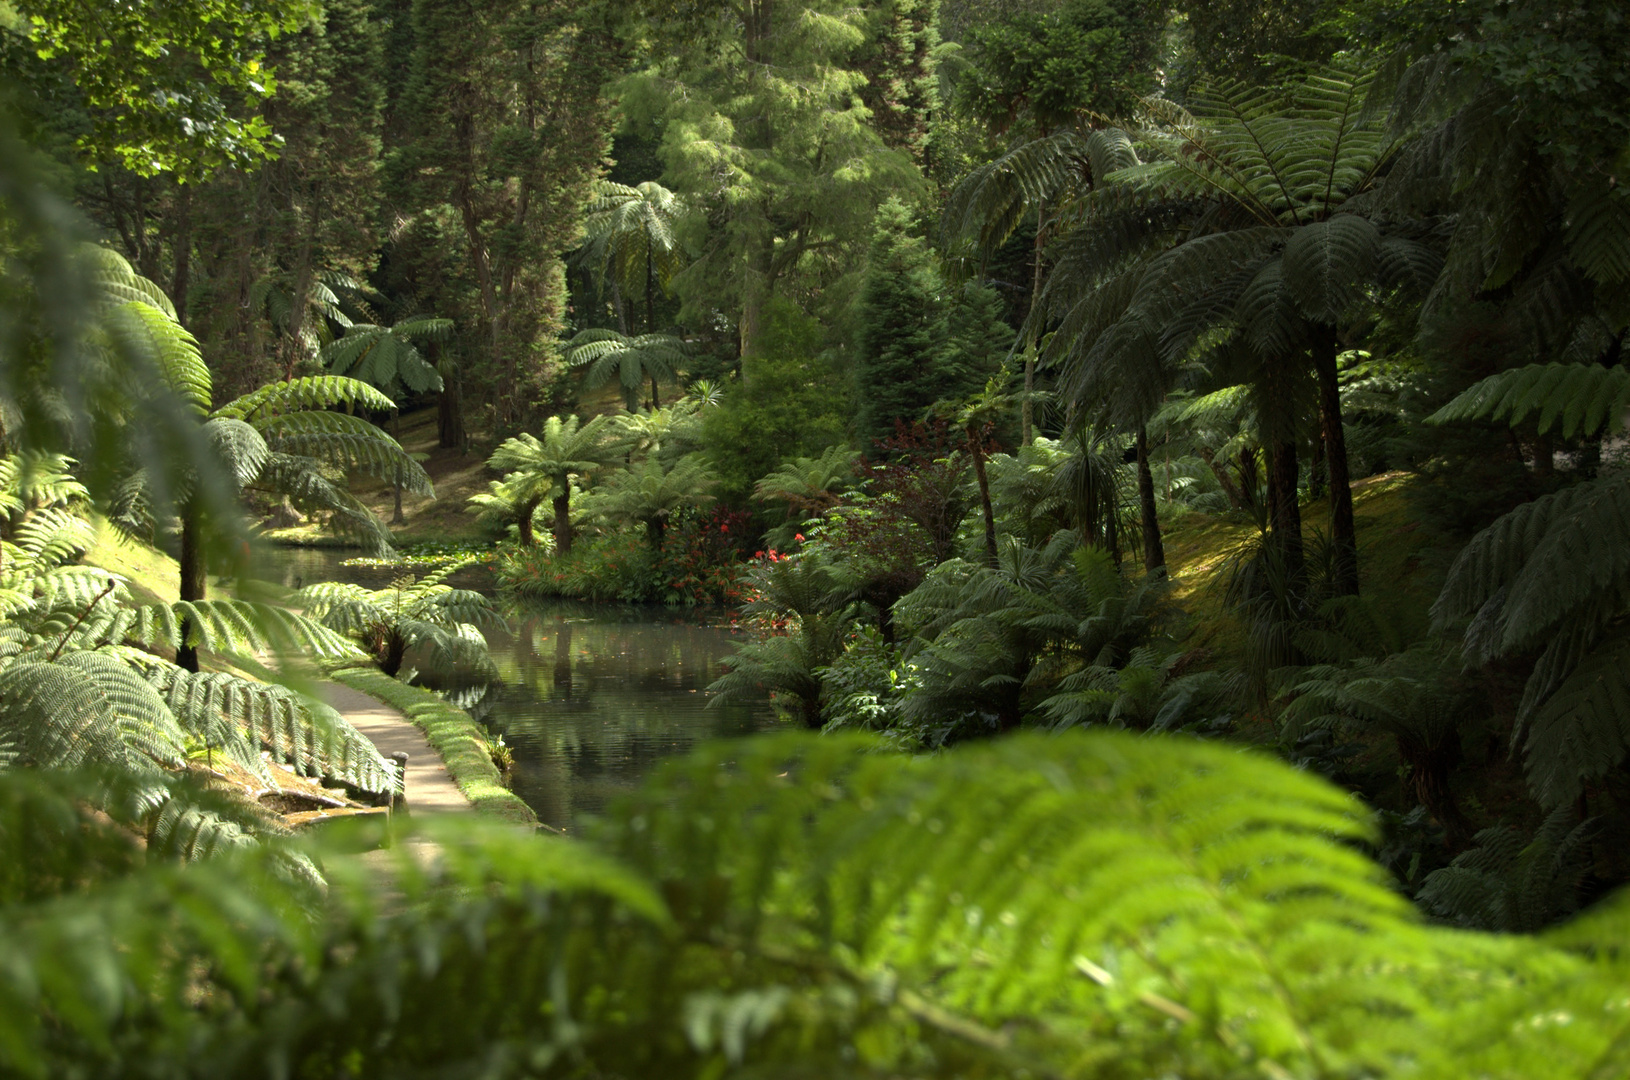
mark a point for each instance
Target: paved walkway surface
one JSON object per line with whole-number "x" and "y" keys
{"x": 429, "y": 788}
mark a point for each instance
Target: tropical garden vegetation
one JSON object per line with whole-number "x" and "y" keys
{"x": 1169, "y": 459}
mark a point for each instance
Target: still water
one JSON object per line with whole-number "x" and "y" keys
{"x": 589, "y": 697}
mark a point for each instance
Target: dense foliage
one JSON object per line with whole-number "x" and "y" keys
{"x": 1187, "y": 440}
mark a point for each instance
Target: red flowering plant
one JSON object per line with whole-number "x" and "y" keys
{"x": 703, "y": 557}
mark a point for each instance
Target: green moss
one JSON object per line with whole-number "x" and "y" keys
{"x": 455, "y": 736}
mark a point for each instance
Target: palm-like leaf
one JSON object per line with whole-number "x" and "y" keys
{"x": 1576, "y": 399}
{"x": 630, "y": 235}
{"x": 388, "y": 357}
{"x": 632, "y": 360}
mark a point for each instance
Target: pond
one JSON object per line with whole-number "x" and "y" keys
{"x": 589, "y": 697}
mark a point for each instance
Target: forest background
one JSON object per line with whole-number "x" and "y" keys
{"x": 968, "y": 310}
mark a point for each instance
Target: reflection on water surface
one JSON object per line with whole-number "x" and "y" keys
{"x": 592, "y": 697}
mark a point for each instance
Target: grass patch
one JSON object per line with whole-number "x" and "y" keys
{"x": 154, "y": 577}
{"x": 455, "y": 736}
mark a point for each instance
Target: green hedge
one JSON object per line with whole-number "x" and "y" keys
{"x": 455, "y": 736}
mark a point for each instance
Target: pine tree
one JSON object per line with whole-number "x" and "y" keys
{"x": 901, "y": 326}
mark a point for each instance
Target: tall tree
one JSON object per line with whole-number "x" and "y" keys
{"x": 1033, "y": 74}
{"x": 763, "y": 130}
{"x": 632, "y": 243}
{"x": 504, "y": 128}
{"x": 899, "y": 326}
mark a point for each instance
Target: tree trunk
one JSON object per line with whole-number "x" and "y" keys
{"x": 523, "y": 524}
{"x": 755, "y": 294}
{"x": 655, "y": 403}
{"x": 181, "y": 280}
{"x": 563, "y": 518}
{"x": 976, "y": 446}
{"x": 395, "y": 653}
{"x": 449, "y": 409}
{"x": 1027, "y": 412}
{"x": 397, "y": 517}
{"x": 1230, "y": 488}
{"x": 1343, "y": 534}
{"x": 194, "y": 578}
{"x": 1544, "y": 454}
{"x": 1283, "y": 472}
{"x": 1154, "y": 552}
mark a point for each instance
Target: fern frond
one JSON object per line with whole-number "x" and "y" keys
{"x": 1580, "y": 399}
{"x": 1582, "y": 731}
{"x": 237, "y": 626}
{"x": 348, "y": 443}
{"x": 311, "y": 392}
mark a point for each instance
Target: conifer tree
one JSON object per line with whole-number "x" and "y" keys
{"x": 900, "y": 327}
{"x": 764, "y": 131}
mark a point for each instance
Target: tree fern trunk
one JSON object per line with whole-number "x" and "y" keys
{"x": 193, "y": 579}
{"x": 1343, "y": 534}
{"x": 1154, "y": 552}
{"x": 1226, "y": 481}
{"x": 523, "y": 526}
{"x": 563, "y": 521}
{"x": 395, "y": 653}
{"x": 976, "y": 446}
{"x": 1283, "y": 473}
{"x": 449, "y": 409}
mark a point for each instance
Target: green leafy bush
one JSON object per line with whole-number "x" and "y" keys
{"x": 1096, "y": 906}
{"x": 615, "y": 566}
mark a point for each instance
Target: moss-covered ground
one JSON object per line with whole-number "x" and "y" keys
{"x": 1401, "y": 562}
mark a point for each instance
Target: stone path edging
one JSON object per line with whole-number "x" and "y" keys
{"x": 429, "y": 786}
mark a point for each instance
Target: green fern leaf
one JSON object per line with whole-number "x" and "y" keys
{"x": 1581, "y": 399}
{"x": 311, "y": 392}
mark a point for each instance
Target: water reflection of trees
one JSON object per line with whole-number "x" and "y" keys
{"x": 592, "y": 699}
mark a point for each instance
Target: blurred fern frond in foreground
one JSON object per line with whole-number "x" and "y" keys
{"x": 1092, "y": 905}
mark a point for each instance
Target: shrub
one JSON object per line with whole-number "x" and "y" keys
{"x": 616, "y": 566}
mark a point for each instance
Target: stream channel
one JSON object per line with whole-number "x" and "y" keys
{"x": 590, "y": 697}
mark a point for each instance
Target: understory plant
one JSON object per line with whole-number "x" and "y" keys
{"x": 409, "y": 614}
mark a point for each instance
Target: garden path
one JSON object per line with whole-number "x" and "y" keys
{"x": 429, "y": 788}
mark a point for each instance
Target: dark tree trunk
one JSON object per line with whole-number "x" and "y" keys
{"x": 1230, "y": 488}
{"x": 523, "y": 525}
{"x": 1343, "y": 534}
{"x": 1154, "y": 552}
{"x": 395, "y": 653}
{"x": 563, "y": 520}
{"x": 655, "y": 528}
{"x": 1283, "y": 472}
{"x": 1317, "y": 474}
{"x": 194, "y": 579}
{"x": 655, "y": 404}
{"x": 1544, "y": 454}
{"x": 1250, "y": 479}
{"x": 449, "y": 411}
{"x": 1429, "y": 767}
{"x": 976, "y": 446}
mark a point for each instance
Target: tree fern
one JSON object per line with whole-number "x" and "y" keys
{"x": 423, "y": 613}
{"x": 1573, "y": 399}
{"x": 296, "y": 395}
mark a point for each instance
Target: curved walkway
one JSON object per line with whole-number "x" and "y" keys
{"x": 429, "y": 788}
